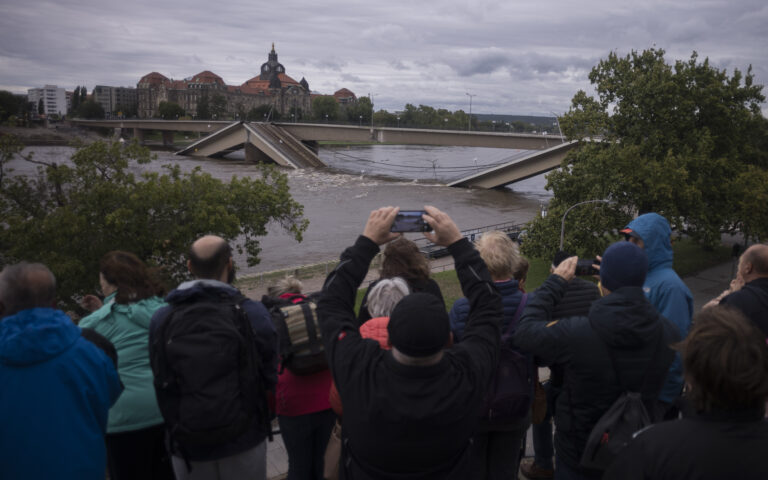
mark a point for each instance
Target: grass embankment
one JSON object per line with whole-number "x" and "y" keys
{"x": 689, "y": 259}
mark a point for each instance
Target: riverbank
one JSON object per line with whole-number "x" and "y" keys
{"x": 58, "y": 134}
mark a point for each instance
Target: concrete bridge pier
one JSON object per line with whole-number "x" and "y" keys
{"x": 139, "y": 135}
{"x": 313, "y": 145}
{"x": 167, "y": 138}
{"x": 254, "y": 155}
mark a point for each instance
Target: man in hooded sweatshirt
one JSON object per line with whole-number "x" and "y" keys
{"x": 667, "y": 292}
{"x": 57, "y": 383}
{"x": 623, "y": 343}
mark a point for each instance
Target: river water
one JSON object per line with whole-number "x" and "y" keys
{"x": 338, "y": 200}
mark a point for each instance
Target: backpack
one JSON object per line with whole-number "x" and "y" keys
{"x": 301, "y": 342}
{"x": 511, "y": 393}
{"x": 207, "y": 373}
{"x": 616, "y": 427}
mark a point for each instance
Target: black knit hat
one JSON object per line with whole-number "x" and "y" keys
{"x": 624, "y": 264}
{"x": 419, "y": 325}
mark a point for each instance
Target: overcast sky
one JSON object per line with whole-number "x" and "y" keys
{"x": 516, "y": 56}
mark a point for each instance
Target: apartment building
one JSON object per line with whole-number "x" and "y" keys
{"x": 54, "y": 99}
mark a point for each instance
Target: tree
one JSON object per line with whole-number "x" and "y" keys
{"x": 75, "y": 100}
{"x": 90, "y": 109}
{"x": 11, "y": 104}
{"x": 218, "y": 106}
{"x": 325, "y": 107}
{"x": 260, "y": 113}
{"x": 40, "y": 107}
{"x": 83, "y": 94}
{"x": 169, "y": 110}
{"x": 70, "y": 214}
{"x": 203, "y": 109}
{"x": 674, "y": 139}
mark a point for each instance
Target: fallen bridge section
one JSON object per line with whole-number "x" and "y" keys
{"x": 517, "y": 170}
{"x": 262, "y": 143}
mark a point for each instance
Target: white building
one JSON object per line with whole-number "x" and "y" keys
{"x": 54, "y": 99}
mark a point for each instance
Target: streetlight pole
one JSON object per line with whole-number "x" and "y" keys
{"x": 371, "y": 95}
{"x": 469, "y": 125}
{"x": 562, "y": 224}
{"x": 557, "y": 119}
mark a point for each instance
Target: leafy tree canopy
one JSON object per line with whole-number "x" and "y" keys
{"x": 169, "y": 110}
{"x": 685, "y": 140}
{"x": 90, "y": 109}
{"x": 325, "y": 106}
{"x": 260, "y": 113}
{"x": 71, "y": 213}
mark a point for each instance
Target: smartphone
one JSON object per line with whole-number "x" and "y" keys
{"x": 585, "y": 268}
{"x": 410, "y": 221}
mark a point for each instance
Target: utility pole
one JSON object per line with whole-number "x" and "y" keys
{"x": 469, "y": 125}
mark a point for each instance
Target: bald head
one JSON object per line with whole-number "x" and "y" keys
{"x": 754, "y": 263}
{"x": 210, "y": 257}
{"x": 24, "y": 286}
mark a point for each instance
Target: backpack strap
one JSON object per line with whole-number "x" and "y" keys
{"x": 309, "y": 320}
{"x": 515, "y": 317}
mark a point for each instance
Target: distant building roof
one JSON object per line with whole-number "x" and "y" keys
{"x": 154, "y": 78}
{"x": 207, "y": 77}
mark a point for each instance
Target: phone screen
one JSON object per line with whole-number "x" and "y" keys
{"x": 410, "y": 221}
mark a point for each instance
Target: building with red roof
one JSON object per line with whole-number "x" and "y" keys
{"x": 272, "y": 88}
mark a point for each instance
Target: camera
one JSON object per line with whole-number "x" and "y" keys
{"x": 585, "y": 268}
{"x": 410, "y": 221}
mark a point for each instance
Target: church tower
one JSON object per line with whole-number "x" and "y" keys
{"x": 272, "y": 66}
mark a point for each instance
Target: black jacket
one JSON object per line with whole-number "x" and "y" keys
{"x": 427, "y": 286}
{"x": 408, "y": 421}
{"x": 711, "y": 446}
{"x": 752, "y": 300}
{"x": 623, "y": 321}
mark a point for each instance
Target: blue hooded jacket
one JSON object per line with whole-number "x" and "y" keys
{"x": 664, "y": 289}
{"x": 55, "y": 392}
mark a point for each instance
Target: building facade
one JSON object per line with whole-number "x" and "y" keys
{"x": 115, "y": 100}
{"x": 54, "y": 99}
{"x": 207, "y": 92}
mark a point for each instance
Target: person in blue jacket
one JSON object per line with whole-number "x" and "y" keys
{"x": 666, "y": 291}
{"x": 56, "y": 387}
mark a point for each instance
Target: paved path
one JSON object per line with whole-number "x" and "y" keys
{"x": 704, "y": 286}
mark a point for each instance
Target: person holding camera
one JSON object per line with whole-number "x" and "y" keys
{"x": 410, "y": 411}
{"x": 623, "y": 343}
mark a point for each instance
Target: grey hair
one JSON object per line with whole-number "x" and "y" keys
{"x": 385, "y": 294}
{"x": 24, "y": 286}
{"x": 289, "y": 284}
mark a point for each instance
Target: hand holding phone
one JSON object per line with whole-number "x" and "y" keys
{"x": 410, "y": 221}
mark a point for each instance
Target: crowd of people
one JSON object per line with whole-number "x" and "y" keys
{"x": 185, "y": 384}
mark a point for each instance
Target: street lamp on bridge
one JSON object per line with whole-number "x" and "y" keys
{"x": 469, "y": 125}
{"x": 562, "y": 224}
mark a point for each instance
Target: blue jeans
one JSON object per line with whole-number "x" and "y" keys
{"x": 305, "y": 438}
{"x": 543, "y": 448}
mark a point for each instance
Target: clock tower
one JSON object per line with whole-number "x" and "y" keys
{"x": 272, "y": 67}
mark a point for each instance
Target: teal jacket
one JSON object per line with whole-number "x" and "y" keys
{"x": 127, "y": 327}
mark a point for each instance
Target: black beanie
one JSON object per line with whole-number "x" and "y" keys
{"x": 624, "y": 264}
{"x": 418, "y": 325}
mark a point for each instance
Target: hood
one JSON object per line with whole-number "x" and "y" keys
{"x": 35, "y": 335}
{"x": 201, "y": 288}
{"x": 655, "y": 232}
{"x": 625, "y": 318}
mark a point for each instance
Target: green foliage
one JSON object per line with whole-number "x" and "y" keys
{"x": 83, "y": 94}
{"x": 75, "y": 99}
{"x": 325, "y": 107}
{"x": 71, "y": 213}
{"x": 11, "y": 105}
{"x": 90, "y": 109}
{"x": 203, "y": 107}
{"x": 40, "y": 107}
{"x": 674, "y": 139}
{"x": 169, "y": 110}
{"x": 218, "y": 106}
{"x": 260, "y": 113}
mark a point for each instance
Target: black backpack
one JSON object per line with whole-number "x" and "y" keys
{"x": 511, "y": 392}
{"x": 627, "y": 416}
{"x": 207, "y": 377}
{"x": 301, "y": 342}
